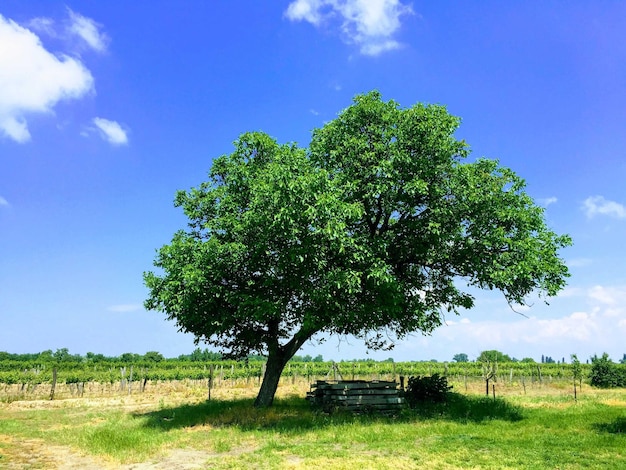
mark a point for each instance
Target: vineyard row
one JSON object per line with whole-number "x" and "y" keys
{"x": 15, "y": 372}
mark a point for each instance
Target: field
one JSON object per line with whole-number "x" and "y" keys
{"x": 171, "y": 425}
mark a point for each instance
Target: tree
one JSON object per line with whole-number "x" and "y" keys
{"x": 493, "y": 356}
{"x": 130, "y": 357}
{"x": 577, "y": 372}
{"x": 369, "y": 232}
{"x": 461, "y": 357}
{"x": 153, "y": 356}
{"x": 605, "y": 373}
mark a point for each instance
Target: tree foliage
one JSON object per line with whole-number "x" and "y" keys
{"x": 493, "y": 356}
{"x": 374, "y": 231}
{"x": 461, "y": 357}
{"x": 605, "y": 373}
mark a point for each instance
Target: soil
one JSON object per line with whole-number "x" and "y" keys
{"x": 37, "y": 454}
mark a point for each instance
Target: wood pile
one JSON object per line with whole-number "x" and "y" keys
{"x": 358, "y": 396}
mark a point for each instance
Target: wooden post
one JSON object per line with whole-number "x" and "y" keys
{"x": 130, "y": 380}
{"x": 54, "y": 383}
{"x": 493, "y": 387}
{"x": 210, "y": 384}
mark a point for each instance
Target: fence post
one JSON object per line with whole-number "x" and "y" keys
{"x": 210, "y": 384}
{"x": 130, "y": 380}
{"x": 54, "y": 383}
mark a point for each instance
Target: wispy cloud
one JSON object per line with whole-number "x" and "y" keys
{"x": 546, "y": 201}
{"x": 596, "y": 324}
{"x": 124, "y": 308}
{"x": 111, "y": 131}
{"x": 597, "y": 205}
{"x": 579, "y": 262}
{"x": 32, "y": 80}
{"x": 608, "y": 295}
{"x": 88, "y": 30}
{"x": 370, "y": 24}
{"x": 43, "y": 25}
{"x": 3, "y": 202}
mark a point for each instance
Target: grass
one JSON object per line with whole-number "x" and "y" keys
{"x": 544, "y": 429}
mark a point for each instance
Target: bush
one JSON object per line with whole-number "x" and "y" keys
{"x": 427, "y": 389}
{"x": 606, "y": 374}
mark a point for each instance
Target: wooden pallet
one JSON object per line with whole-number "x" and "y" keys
{"x": 356, "y": 395}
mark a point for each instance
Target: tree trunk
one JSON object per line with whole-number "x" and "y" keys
{"x": 277, "y": 359}
{"x": 276, "y": 362}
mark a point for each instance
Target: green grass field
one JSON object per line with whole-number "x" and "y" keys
{"x": 179, "y": 429}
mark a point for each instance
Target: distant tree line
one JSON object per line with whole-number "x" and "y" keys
{"x": 63, "y": 356}
{"x": 497, "y": 356}
{"x": 205, "y": 355}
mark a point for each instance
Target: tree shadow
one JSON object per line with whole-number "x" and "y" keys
{"x": 294, "y": 414}
{"x": 469, "y": 409}
{"x": 617, "y": 426}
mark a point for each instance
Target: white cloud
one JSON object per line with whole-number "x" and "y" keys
{"x": 611, "y": 295}
{"x": 3, "y": 202}
{"x": 88, "y": 30}
{"x": 307, "y": 10}
{"x": 43, "y": 25}
{"x": 579, "y": 262}
{"x": 124, "y": 308}
{"x": 592, "y": 330}
{"x": 370, "y": 24}
{"x": 547, "y": 201}
{"x": 595, "y": 205}
{"x": 32, "y": 80}
{"x": 111, "y": 131}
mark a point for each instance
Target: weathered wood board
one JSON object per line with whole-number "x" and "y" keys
{"x": 356, "y": 395}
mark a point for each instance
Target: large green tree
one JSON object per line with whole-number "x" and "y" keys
{"x": 376, "y": 230}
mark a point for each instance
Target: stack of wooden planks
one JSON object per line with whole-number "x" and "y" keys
{"x": 356, "y": 395}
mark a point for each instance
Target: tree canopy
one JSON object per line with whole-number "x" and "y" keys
{"x": 461, "y": 357}
{"x": 493, "y": 356}
{"x": 376, "y": 230}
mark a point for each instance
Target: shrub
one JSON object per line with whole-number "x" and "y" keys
{"x": 606, "y": 374}
{"x": 426, "y": 389}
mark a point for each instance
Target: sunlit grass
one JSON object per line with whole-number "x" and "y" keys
{"x": 548, "y": 430}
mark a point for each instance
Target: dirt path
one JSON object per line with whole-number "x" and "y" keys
{"x": 31, "y": 454}
{"x": 36, "y": 454}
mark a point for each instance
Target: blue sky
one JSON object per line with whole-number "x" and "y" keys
{"x": 108, "y": 108}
